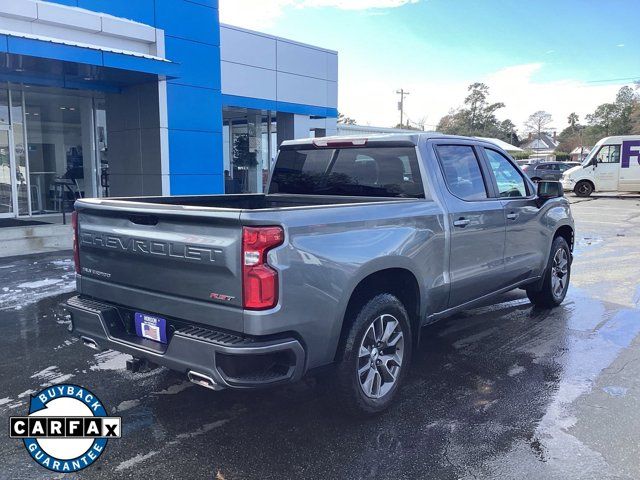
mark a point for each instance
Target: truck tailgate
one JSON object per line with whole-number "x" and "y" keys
{"x": 179, "y": 259}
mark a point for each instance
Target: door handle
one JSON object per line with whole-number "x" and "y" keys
{"x": 461, "y": 222}
{"x": 512, "y": 216}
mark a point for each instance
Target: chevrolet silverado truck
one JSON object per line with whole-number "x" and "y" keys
{"x": 357, "y": 244}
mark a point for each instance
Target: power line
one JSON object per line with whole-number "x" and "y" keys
{"x": 614, "y": 80}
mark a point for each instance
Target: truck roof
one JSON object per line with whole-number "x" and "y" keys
{"x": 378, "y": 139}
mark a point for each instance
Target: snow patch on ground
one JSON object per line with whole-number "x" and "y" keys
{"x": 41, "y": 283}
{"x": 18, "y": 296}
{"x": 110, "y": 360}
{"x": 4, "y": 401}
{"x": 127, "y": 405}
{"x": 173, "y": 389}
{"x": 51, "y": 376}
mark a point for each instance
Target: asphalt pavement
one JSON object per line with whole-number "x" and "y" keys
{"x": 502, "y": 391}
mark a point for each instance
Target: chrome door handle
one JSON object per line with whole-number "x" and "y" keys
{"x": 462, "y": 222}
{"x": 512, "y": 216}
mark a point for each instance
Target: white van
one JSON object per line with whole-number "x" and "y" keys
{"x": 612, "y": 166}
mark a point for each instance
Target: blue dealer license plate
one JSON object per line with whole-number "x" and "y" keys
{"x": 151, "y": 327}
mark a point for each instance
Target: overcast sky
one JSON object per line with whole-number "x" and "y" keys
{"x": 560, "y": 56}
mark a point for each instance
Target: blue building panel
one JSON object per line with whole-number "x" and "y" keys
{"x": 194, "y": 108}
{"x": 142, "y": 11}
{"x": 195, "y": 153}
{"x": 264, "y": 104}
{"x": 69, "y": 3}
{"x": 200, "y": 63}
{"x": 188, "y": 20}
{"x": 196, "y": 184}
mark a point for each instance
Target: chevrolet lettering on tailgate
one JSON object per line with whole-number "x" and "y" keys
{"x": 152, "y": 247}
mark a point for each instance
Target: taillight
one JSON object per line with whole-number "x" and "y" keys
{"x": 259, "y": 280}
{"x": 76, "y": 243}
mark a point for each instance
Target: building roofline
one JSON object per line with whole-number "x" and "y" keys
{"x": 280, "y": 39}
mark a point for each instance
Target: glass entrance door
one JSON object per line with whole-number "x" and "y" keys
{"x": 8, "y": 191}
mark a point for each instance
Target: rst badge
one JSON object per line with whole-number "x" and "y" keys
{"x": 67, "y": 428}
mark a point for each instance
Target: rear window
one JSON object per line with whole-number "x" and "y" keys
{"x": 369, "y": 172}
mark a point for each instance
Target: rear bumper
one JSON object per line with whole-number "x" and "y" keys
{"x": 229, "y": 360}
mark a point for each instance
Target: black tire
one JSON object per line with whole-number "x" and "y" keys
{"x": 350, "y": 388}
{"x": 583, "y": 188}
{"x": 548, "y": 296}
{"x": 535, "y": 179}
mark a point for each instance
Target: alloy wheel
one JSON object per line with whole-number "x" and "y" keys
{"x": 380, "y": 356}
{"x": 559, "y": 272}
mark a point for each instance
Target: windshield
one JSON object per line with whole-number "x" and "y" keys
{"x": 370, "y": 172}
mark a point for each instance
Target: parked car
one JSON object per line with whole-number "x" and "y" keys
{"x": 613, "y": 165}
{"x": 357, "y": 245}
{"x": 547, "y": 170}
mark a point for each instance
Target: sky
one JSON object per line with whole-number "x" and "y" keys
{"x": 560, "y": 56}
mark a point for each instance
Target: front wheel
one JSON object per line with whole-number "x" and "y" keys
{"x": 556, "y": 278}
{"x": 375, "y": 356}
{"x": 583, "y": 189}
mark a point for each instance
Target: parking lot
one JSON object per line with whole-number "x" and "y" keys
{"x": 502, "y": 391}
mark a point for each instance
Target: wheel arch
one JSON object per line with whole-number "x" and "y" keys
{"x": 398, "y": 281}
{"x": 566, "y": 232}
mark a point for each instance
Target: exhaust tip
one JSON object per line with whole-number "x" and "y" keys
{"x": 202, "y": 380}
{"x": 90, "y": 342}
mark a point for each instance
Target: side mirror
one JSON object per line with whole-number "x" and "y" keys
{"x": 548, "y": 190}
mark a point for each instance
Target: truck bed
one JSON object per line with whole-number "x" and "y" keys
{"x": 237, "y": 201}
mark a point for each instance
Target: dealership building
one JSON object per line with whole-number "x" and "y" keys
{"x": 147, "y": 97}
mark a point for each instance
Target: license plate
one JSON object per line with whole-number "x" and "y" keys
{"x": 151, "y": 327}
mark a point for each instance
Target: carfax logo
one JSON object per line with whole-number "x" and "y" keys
{"x": 67, "y": 428}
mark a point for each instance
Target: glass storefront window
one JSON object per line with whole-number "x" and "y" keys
{"x": 20, "y": 150}
{"x": 248, "y": 149}
{"x": 61, "y": 149}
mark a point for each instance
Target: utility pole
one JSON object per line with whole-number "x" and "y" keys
{"x": 402, "y": 94}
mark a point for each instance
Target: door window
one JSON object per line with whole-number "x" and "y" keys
{"x": 609, "y": 154}
{"x": 462, "y": 171}
{"x": 509, "y": 181}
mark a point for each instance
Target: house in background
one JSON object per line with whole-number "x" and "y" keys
{"x": 542, "y": 145}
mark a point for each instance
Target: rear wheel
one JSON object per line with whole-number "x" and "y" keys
{"x": 556, "y": 278}
{"x": 583, "y": 188}
{"x": 375, "y": 356}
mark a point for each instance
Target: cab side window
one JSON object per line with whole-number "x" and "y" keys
{"x": 609, "y": 154}
{"x": 509, "y": 181}
{"x": 462, "y": 172}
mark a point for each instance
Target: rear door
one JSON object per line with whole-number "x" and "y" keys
{"x": 476, "y": 221}
{"x": 523, "y": 256}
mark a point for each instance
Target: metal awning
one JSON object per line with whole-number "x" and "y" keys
{"x": 43, "y": 47}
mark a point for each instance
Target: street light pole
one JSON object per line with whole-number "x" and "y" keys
{"x": 402, "y": 94}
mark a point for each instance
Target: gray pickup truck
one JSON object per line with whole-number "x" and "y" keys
{"x": 358, "y": 243}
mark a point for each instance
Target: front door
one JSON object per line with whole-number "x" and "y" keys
{"x": 477, "y": 225}
{"x": 523, "y": 257}
{"x": 8, "y": 191}
{"x": 607, "y": 170}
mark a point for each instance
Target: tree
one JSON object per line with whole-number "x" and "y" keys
{"x": 477, "y": 117}
{"x": 617, "y": 118}
{"x": 345, "y": 120}
{"x": 573, "y": 120}
{"x": 538, "y": 121}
